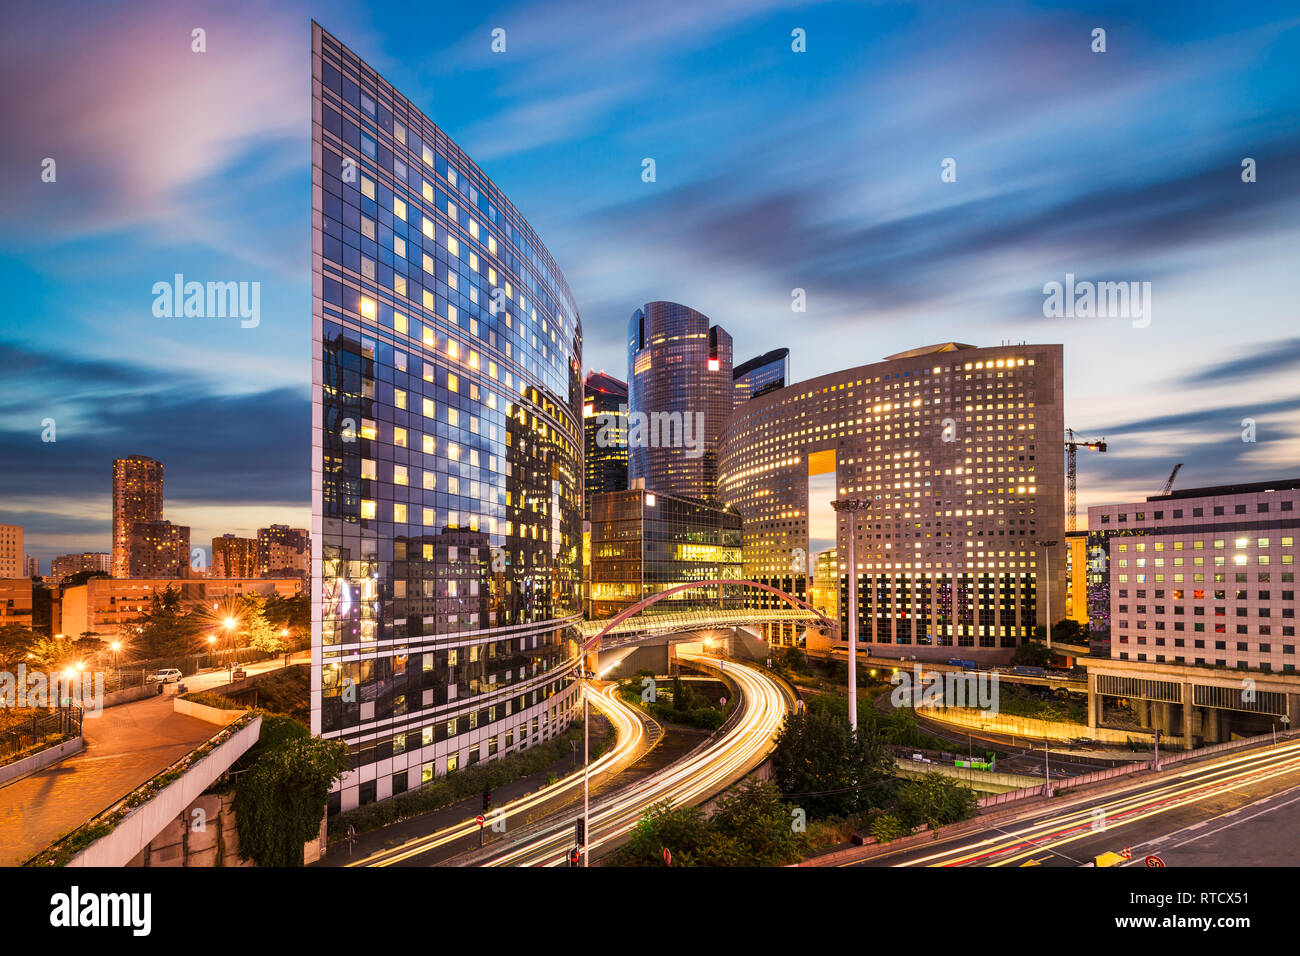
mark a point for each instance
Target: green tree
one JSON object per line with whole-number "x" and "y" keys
{"x": 16, "y": 642}
{"x": 827, "y": 768}
{"x": 683, "y": 831}
{"x": 1032, "y": 654}
{"x": 754, "y": 828}
{"x": 934, "y": 800}
{"x": 280, "y": 799}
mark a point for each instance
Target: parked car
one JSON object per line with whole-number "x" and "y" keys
{"x": 168, "y": 675}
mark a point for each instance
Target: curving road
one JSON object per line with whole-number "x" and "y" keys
{"x": 1176, "y": 801}
{"x": 700, "y": 775}
{"x": 634, "y": 730}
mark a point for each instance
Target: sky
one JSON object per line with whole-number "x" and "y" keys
{"x": 775, "y": 170}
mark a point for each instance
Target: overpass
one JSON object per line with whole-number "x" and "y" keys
{"x": 633, "y": 627}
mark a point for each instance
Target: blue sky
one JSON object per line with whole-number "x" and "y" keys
{"x": 775, "y": 170}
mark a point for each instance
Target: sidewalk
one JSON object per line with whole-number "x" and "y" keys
{"x": 125, "y": 746}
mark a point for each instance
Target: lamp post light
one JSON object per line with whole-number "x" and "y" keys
{"x": 1047, "y": 584}
{"x": 850, "y": 507}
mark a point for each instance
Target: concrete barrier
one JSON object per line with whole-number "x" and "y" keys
{"x": 213, "y": 715}
{"x": 39, "y": 761}
{"x": 142, "y": 824}
{"x": 130, "y": 694}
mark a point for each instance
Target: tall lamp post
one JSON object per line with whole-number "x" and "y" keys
{"x": 850, "y": 508}
{"x": 1047, "y": 584}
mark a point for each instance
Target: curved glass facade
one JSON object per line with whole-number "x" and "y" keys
{"x": 679, "y": 379}
{"x": 447, "y": 448}
{"x": 960, "y": 451}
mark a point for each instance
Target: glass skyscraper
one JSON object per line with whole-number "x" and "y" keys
{"x": 605, "y": 419}
{"x": 761, "y": 374}
{"x": 679, "y": 395}
{"x": 446, "y": 446}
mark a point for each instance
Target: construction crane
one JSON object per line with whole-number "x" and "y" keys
{"x": 1170, "y": 483}
{"x": 1072, "y": 446}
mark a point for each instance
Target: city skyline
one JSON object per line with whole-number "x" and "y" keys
{"x": 741, "y": 213}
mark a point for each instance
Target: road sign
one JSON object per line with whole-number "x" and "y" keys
{"x": 668, "y": 857}
{"x": 1154, "y": 860}
{"x": 480, "y": 819}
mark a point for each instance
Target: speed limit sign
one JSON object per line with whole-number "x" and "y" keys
{"x": 1154, "y": 860}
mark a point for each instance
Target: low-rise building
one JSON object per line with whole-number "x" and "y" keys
{"x": 103, "y": 605}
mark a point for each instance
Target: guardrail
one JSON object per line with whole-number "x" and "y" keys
{"x": 64, "y": 722}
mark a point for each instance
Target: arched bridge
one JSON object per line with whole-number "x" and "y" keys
{"x": 626, "y": 626}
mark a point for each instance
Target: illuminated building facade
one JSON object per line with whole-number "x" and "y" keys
{"x": 283, "y": 552}
{"x": 604, "y": 417}
{"x": 66, "y": 565}
{"x": 137, "y": 499}
{"x": 12, "y": 564}
{"x": 447, "y": 449}
{"x": 645, "y": 542}
{"x": 680, "y": 393}
{"x": 1076, "y": 576}
{"x": 159, "y": 549}
{"x": 234, "y": 557}
{"x": 1200, "y": 576}
{"x": 760, "y": 375}
{"x": 959, "y": 451}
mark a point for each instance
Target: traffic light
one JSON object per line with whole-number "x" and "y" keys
{"x": 575, "y": 856}
{"x": 580, "y": 832}
{"x": 487, "y": 800}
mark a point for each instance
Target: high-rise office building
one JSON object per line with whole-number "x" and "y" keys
{"x": 1199, "y": 576}
{"x": 645, "y": 542}
{"x": 12, "y": 564}
{"x": 957, "y": 452}
{"x": 32, "y": 564}
{"x": 234, "y": 557}
{"x": 137, "y": 499}
{"x": 760, "y": 375}
{"x": 447, "y": 449}
{"x": 159, "y": 549}
{"x": 680, "y": 393}
{"x": 604, "y": 416}
{"x": 66, "y": 565}
{"x": 283, "y": 552}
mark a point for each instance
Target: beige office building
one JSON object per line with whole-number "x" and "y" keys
{"x": 103, "y": 605}
{"x": 12, "y": 558}
{"x": 958, "y": 451}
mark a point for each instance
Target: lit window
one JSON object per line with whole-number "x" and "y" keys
{"x": 428, "y": 408}
{"x": 399, "y": 512}
{"x": 399, "y": 398}
{"x": 399, "y": 322}
{"x": 367, "y": 308}
{"x": 400, "y": 476}
{"x": 399, "y": 437}
{"x": 367, "y": 509}
{"x": 368, "y": 469}
{"x": 427, "y": 227}
{"x": 367, "y": 187}
{"x": 399, "y": 246}
{"x": 399, "y": 208}
{"x": 453, "y": 246}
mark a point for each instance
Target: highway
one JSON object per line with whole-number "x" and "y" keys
{"x": 1141, "y": 814}
{"x": 697, "y": 777}
{"x": 634, "y": 730}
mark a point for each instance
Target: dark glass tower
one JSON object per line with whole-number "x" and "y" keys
{"x": 760, "y": 375}
{"x": 679, "y": 394}
{"x": 604, "y": 413}
{"x": 446, "y": 449}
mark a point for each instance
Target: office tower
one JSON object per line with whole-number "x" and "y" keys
{"x": 66, "y": 565}
{"x": 447, "y": 449}
{"x": 604, "y": 417}
{"x": 234, "y": 557}
{"x": 680, "y": 392}
{"x": 760, "y": 375}
{"x": 958, "y": 453}
{"x": 12, "y": 564}
{"x": 1076, "y": 576}
{"x": 645, "y": 542}
{"x": 1199, "y": 576}
{"x": 159, "y": 549}
{"x": 137, "y": 499}
{"x": 32, "y": 566}
{"x": 283, "y": 552}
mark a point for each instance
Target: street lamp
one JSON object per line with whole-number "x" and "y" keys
{"x": 851, "y": 507}
{"x": 1047, "y": 584}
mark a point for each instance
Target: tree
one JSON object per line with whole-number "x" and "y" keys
{"x": 934, "y": 800}
{"x": 16, "y": 642}
{"x": 828, "y": 768}
{"x": 280, "y": 799}
{"x": 754, "y": 828}
{"x": 1032, "y": 654}
{"x": 682, "y": 831}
